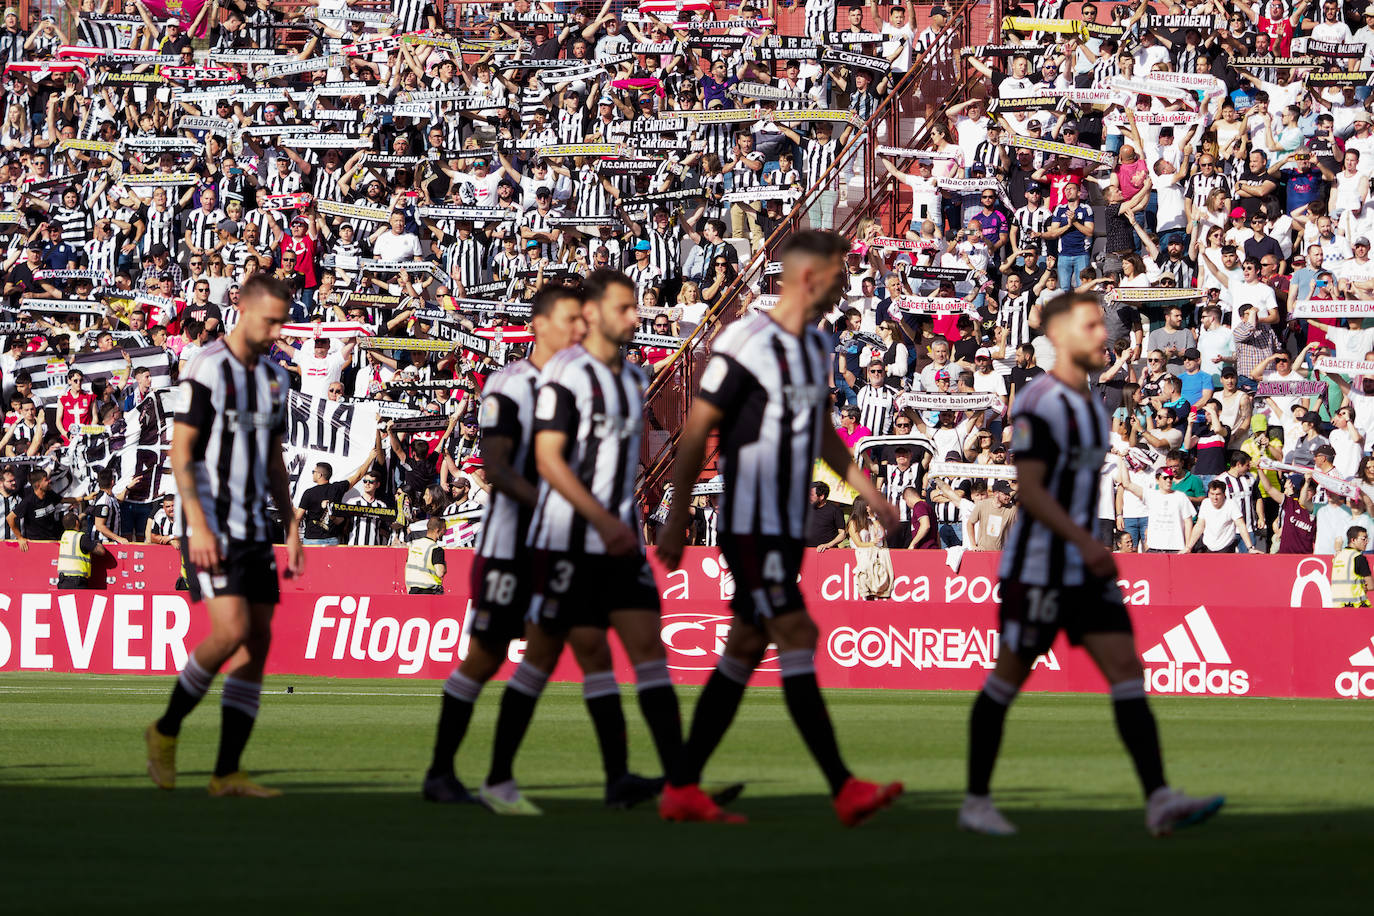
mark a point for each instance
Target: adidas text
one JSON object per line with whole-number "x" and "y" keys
{"x": 1176, "y": 678}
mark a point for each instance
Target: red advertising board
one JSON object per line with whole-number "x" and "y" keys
{"x": 1205, "y": 625}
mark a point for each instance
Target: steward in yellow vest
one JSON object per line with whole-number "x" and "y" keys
{"x": 1350, "y": 570}
{"x": 74, "y": 553}
{"x": 425, "y": 567}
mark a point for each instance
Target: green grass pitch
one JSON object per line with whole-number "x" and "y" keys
{"x": 85, "y": 831}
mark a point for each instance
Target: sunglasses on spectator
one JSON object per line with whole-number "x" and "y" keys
{"x": 371, "y": 480}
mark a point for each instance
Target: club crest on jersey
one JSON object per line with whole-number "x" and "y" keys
{"x": 1021, "y": 434}
{"x": 801, "y": 398}
{"x": 491, "y": 411}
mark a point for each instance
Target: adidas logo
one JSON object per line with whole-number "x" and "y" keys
{"x": 1357, "y": 684}
{"x": 1193, "y": 659}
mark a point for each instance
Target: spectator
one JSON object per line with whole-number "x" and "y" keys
{"x": 991, "y": 519}
{"x": 825, "y": 523}
{"x": 1219, "y": 526}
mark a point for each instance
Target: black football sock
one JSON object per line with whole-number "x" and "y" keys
{"x": 460, "y": 693}
{"x": 238, "y": 712}
{"x": 658, "y": 704}
{"x": 1136, "y": 725}
{"x": 517, "y": 709}
{"x": 985, "y": 731}
{"x": 804, "y": 702}
{"x": 191, "y": 685}
{"x": 602, "y": 695}
{"x": 716, "y": 708}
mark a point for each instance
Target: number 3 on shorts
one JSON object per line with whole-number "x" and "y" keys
{"x": 1042, "y": 605}
{"x": 773, "y": 570}
{"x": 562, "y": 577}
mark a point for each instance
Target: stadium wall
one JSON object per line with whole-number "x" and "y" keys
{"x": 1206, "y": 625}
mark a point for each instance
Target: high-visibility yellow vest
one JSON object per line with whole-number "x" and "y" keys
{"x": 1347, "y": 589}
{"x": 420, "y": 572}
{"x": 71, "y": 559}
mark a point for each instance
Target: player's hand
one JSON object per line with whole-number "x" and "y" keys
{"x": 204, "y": 551}
{"x": 295, "y": 556}
{"x": 1098, "y": 560}
{"x": 888, "y": 516}
{"x": 669, "y": 545}
{"x": 619, "y": 538}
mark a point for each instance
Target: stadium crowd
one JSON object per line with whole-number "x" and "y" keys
{"x": 1204, "y": 167}
{"x": 413, "y": 183}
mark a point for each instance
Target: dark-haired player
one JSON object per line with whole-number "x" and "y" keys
{"x": 765, "y": 389}
{"x": 227, "y": 459}
{"x": 1056, "y": 575}
{"x": 501, "y": 570}
{"x": 590, "y": 570}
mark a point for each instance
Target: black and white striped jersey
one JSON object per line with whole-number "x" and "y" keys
{"x": 1067, "y": 431}
{"x": 159, "y": 228}
{"x": 897, "y": 482}
{"x": 1198, "y": 186}
{"x": 817, "y": 157}
{"x": 8, "y": 504}
{"x": 464, "y": 258}
{"x": 771, "y": 386}
{"x": 508, "y": 411}
{"x": 368, "y": 530}
{"x": 240, "y": 415}
{"x": 877, "y": 406}
{"x": 602, "y": 413}
{"x": 1241, "y": 491}
{"x": 665, "y": 251}
{"x": 290, "y": 183}
{"x": 75, "y": 222}
{"x": 571, "y": 125}
{"x": 1030, "y": 219}
{"x": 102, "y": 254}
{"x": 106, "y": 508}
{"x": 820, "y": 18}
{"x": 204, "y": 226}
{"x": 1013, "y": 313}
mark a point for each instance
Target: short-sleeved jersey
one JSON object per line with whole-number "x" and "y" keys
{"x": 771, "y": 386}
{"x": 602, "y": 413}
{"x": 508, "y": 411}
{"x": 1066, "y": 430}
{"x": 240, "y": 415}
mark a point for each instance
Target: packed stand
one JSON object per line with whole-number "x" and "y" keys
{"x": 1206, "y": 170}
{"x": 413, "y": 184}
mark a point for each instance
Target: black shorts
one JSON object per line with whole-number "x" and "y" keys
{"x": 500, "y": 597}
{"x": 248, "y": 570}
{"x": 765, "y": 568}
{"x": 581, "y": 589}
{"x": 1032, "y": 615}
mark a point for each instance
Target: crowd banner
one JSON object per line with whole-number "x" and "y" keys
{"x": 1062, "y": 149}
{"x": 1333, "y": 308}
{"x": 931, "y": 305}
{"x": 1348, "y": 367}
{"x": 1214, "y": 625}
{"x": 1172, "y": 118}
{"x": 935, "y": 400}
{"x": 1028, "y": 24}
{"x": 1154, "y": 294}
{"x": 1151, "y": 87}
{"x": 962, "y": 469}
{"x": 318, "y": 429}
{"x": 1297, "y": 388}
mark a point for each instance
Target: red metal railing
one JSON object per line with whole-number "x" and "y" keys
{"x": 671, "y": 392}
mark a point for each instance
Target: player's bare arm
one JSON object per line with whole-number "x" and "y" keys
{"x": 691, "y": 455}
{"x": 501, "y": 474}
{"x": 280, "y": 482}
{"x": 202, "y": 546}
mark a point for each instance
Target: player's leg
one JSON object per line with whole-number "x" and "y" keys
{"x": 499, "y": 791}
{"x": 229, "y": 627}
{"x": 239, "y": 706}
{"x": 855, "y": 800}
{"x": 639, "y": 634}
{"x": 461, "y": 689}
{"x": 1028, "y": 622}
{"x": 719, "y": 700}
{"x": 1166, "y": 809}
{"x": 500, "y": 601}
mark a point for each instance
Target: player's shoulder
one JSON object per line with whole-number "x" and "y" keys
{"x": 207, "y": 366}
{"x": 747, "y": 333}
{"x": 562, "y": 364}
{"x": 1038, "y": 397}
{"x": 511, "y": 377}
